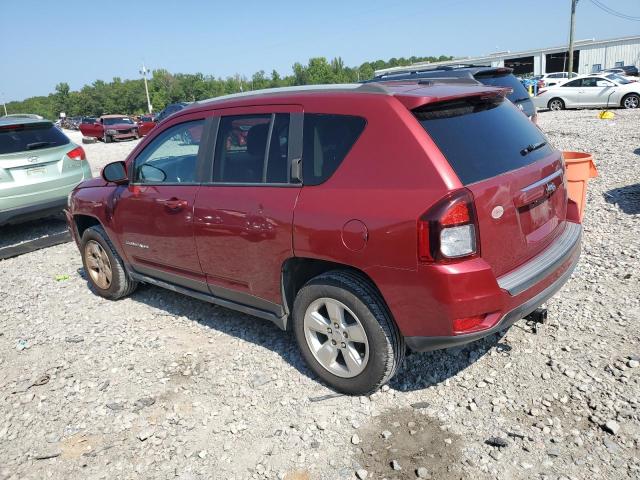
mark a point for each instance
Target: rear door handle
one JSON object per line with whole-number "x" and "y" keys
{"x": 174, "y": 204}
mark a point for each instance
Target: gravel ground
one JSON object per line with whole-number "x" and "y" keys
{"x": 163, "y": 386}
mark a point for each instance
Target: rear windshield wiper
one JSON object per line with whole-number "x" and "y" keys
{"x": 34, "y": 145}
{"x": 530, "y": 148}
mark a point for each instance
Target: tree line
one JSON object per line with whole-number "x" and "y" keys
{"x": 128, "y": 96}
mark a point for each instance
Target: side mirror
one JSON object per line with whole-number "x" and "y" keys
{"x": 115, "y": 172}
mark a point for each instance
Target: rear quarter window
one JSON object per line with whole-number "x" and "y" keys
{"x": 482, "y": 138}
{"x": 30, "y": 137}
{"x": 327, "y": 140}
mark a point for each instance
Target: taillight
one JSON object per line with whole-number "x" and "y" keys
{"x": 77, "y": 154}
{"x": 448, "y": 230}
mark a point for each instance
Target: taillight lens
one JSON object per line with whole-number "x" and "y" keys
{"x": 448, "y": 230}
{"x": 77, "y": 154}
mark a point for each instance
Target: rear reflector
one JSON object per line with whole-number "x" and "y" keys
{"x": 77, "y": 154}
{"x": 465, "y": 325}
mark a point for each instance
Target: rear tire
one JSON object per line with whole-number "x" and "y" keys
{"x": 101, "y": 262}
{"x": 359, "y": 352}
{"x": 631, "y": 100}
{"x": 556, "y": 104}
{"x": 107, "y": 138}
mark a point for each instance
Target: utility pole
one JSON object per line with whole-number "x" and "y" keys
{"x": 571, "y": 29}
{"x": 144, "y": 72}
{"x": 4, "y": 104}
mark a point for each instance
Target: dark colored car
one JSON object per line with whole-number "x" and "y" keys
{"x": 630, "y": 70}
{"x": 111, "y": 127}
{"x": 170, "y": 110}
{"x": 494, "y": 76}
{"x": 366, "y": 218}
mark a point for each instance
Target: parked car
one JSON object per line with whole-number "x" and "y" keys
{"x": 170, "y": 110}
{"x": 554, "y": 78}
{"x": 145, "y": 124}
{"x": 111, "y": 127}
{"x": 366, "y": 218}
{"x": 630, "y": 70}
{"x": 39, "y": 166}
{"x": 495, "y": 76}
{"x": 589, "y": 91}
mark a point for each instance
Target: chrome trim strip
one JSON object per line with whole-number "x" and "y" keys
{"x": 524, "y": 277}
{"x": 545, "y": 180}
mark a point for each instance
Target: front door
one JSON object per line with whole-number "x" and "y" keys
{"x": 154, "y": 214}
{"x": 243, "y": 217}
{"x": 598, "y": 92}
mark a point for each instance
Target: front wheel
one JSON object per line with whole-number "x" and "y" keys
{"x": 556, "y": 104}
{"x": 104, "y": 267}
{"x": 631, "y": 101}
{"x": 346, "y": 334}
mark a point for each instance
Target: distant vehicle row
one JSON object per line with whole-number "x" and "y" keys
{"x": 588, "y": 91}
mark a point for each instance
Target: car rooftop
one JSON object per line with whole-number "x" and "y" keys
{"x": 20, "y": 120}
{"x": 429, "y": 90}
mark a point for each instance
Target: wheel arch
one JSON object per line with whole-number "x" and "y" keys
{"x": 627, "y": 95}
{"x": 83, "y": 221}
{"x": 564, "y": 103}
{"x": 297, "y": 271}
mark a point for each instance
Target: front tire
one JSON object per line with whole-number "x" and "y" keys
{"x": 104, "y": 268}
{"x": 346, "y": 333}
{"x": 631, "y": 101}
{"x": 556, "y": 104}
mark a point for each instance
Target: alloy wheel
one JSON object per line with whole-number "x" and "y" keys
{"x": 336, "y": 337}
{"x": 98, "y": 264}
{"x": 556, "y": 105}
{"x": 631, "y": 102}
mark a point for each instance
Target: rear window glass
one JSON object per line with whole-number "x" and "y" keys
{"x": 29, "y": 137}
{"x": 482, "y": 138}
{"x": 327, "y": 141}
{"x": 519, "y": 93}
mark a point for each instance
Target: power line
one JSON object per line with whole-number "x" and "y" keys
{"x": 613, "y": 12}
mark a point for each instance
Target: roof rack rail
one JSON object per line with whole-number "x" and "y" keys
{"x": 429, "y": 68}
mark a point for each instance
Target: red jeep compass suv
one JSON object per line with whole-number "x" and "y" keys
{"x": 366, "y": 218}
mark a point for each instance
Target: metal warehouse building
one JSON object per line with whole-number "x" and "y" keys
{"x": 589, "y": 56}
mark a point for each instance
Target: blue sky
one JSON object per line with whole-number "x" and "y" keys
{"x": 78, "y": 41}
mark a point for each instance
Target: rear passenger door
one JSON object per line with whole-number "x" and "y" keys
{"x": 570, "y": 92}
{"x": 244, "y": 211}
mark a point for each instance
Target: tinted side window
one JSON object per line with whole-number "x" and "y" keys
{"x": 172, "y": 156}
{"x": 241, "y": 154}
{"x": 482, "y": 139}
{"x": 573, "y": 83}
{"x": 327, "y": 140}
{"x": 30, "y": 137}
{"x": 518, "y": 92}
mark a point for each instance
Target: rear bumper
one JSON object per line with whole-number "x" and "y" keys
{"x": 425, "y": 344}
{"x": 33, "y": 211}
{"x": 425, "y": 303}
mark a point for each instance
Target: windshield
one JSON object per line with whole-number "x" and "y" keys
{"x": 618, "y": 78}
{"x": 29, "y": 137}
{"x": 115, "y": 121}
{"x": 482, "y": 138}
{"x": 517, "y": 95}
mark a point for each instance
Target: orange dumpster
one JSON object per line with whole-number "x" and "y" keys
{"x": 580, "y": 168}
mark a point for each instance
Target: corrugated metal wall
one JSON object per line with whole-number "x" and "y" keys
{"x": 607, "y": 56}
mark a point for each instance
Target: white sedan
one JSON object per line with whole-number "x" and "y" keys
{"x": 588, "y": 91}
